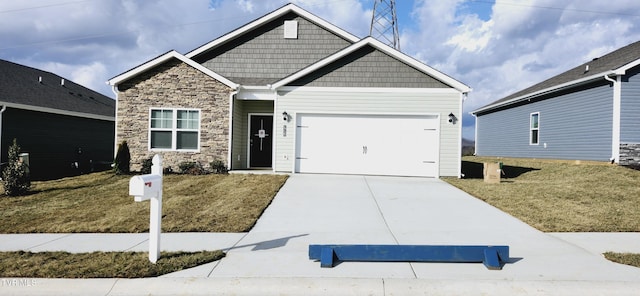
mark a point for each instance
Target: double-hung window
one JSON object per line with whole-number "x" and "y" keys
{"x": 174, "y": 129}
{"x": 534, "y": 124}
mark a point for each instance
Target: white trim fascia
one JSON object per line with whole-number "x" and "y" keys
{"x": 267, "y": 18}
{"x": 460, "y": 124}
{"x": 379, "y": 46}
{"x": 165, "y": 57}
{"x": 369, "y": 89}
{"x": 58, "y": 111}
{"x": 230, "y": 139}
{"x": 623, "y": 70}
{"x": 544, "y": 91}
{"x": 256, "y": 95}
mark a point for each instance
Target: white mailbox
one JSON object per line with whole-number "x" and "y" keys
{"x": 144, "y": 187}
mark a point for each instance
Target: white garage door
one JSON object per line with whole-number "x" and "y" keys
{"x": 395, "y": 145}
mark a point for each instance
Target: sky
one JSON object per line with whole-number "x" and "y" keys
{"x": 496, "y": 47}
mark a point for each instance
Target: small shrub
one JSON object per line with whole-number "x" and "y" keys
{"x": 191, "y": 168}
{"x": 122, "y": 162}
{"x": 15, "y": 176}
{"x": 218, "y": 167}
{"x": 146, "y": 166}
{"x": 167, "y": 170}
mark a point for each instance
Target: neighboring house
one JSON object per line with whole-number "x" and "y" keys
{"x": 587, "y": 113}
{"x": 65, "y": 128}
{"x": 291, "y": 92}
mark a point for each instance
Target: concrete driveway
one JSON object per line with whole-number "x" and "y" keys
{"x": 334, "y": 209}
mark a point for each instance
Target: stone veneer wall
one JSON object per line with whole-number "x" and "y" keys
{"x": 630, "y": 154}
{"x": 174, "y": 84}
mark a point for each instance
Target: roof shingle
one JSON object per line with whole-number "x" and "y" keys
{"x": 24, "y": 85}
{"x": 609, "y": 62}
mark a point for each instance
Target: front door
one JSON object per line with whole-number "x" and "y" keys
{"x": 260, "y": 144}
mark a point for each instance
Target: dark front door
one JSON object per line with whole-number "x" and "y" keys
{"x": 261, "y": 133}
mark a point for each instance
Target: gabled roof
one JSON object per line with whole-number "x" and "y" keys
{"x": 267, "y": 18}
{"x": 163, "y": 58}
{"x": 28, "y": 88}
{"x": 370, "y": 41}
{"x": 612, "y": 64}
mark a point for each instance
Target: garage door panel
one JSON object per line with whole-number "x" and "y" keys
{"x": 367, "y": 144}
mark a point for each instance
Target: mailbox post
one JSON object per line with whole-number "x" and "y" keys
{"x": 149, "y": 187}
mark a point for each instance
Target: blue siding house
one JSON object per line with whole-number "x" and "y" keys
{"x": 587, "y": 113}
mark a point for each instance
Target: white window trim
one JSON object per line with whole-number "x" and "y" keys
{"x": 531, "y": 129}
{"x": 174, "y": 129}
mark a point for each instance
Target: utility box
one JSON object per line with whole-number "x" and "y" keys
{"x": 492, "y": 172}
{"x": 144, "y": 187}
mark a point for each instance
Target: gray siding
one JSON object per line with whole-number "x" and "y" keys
{"x": 241, "y": 127}
{"x": 630, "y": 107}
{"x": 358, "y": 101}
{"x": 574, "y": 125}
{"x": 368, "y": 67}
{"x": 263, "y": 56}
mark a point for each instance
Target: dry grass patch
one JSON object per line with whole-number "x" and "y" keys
{"x": 99, "y": 264}
{"x": 624, "y": 258}
{"x": 100, "y": 202}
{"x": 560, "y": 196}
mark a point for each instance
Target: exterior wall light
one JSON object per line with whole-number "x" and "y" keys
{"x": 285, "y": 116}
{"x": 452, "y": 118}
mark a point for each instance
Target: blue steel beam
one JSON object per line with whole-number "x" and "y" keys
{"x": 492, "y": 256}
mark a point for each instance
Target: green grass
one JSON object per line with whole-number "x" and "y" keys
{"x": 100, "y": 202}
{"x": 99, "y": 264}
{"x": 624, "y": 258}
{"x": 560, "y": 196}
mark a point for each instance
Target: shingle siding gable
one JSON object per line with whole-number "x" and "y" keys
{"x": 368, "y": 67}
{"x": 263, "y": 55}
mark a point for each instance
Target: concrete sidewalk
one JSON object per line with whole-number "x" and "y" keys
{"x": 326, "y": 209}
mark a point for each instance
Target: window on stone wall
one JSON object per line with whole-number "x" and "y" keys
{"x": 174, "y": 129}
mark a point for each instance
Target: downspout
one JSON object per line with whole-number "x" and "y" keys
{"x": 463, "y": 99}
{"x": 229, "y": 145}
{"x": 114, "y": 89}
{"x": 615, "y": 136}
{"x": 4, "y": 107}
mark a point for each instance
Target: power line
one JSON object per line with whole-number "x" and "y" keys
{"x": 42, "y": 6}
{"x": 556, "y": 8}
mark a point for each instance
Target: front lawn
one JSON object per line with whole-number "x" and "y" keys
{"x": 100, "y": 202}
{"x": 559, "y": 196}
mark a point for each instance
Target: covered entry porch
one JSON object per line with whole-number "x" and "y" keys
{"x": 252, "y": 132}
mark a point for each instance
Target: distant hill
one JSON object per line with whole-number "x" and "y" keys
{"x": 468, "y": 147}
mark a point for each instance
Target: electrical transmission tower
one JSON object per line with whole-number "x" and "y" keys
{"x": 384, "y": 24}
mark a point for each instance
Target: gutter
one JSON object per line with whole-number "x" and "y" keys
{"x": 545, "y": 91}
